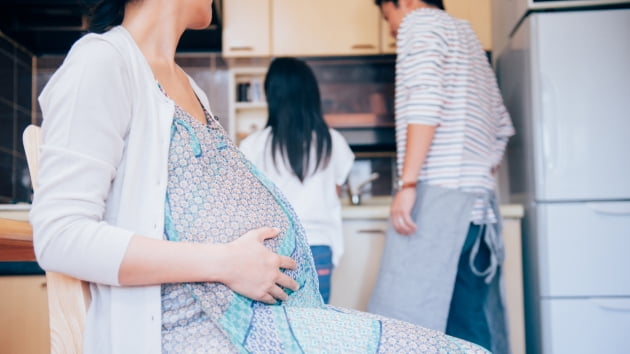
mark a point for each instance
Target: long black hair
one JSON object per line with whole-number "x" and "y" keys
{"x": 295, "y": 116}
{"x": 107, "y": 14}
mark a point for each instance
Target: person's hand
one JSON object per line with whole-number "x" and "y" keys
{"x": 400, "y": 212}
{"x": 254, "y": 271}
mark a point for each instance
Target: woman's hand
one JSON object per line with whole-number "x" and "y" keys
{"x": 254, "y": 271}
{"x": 400, "y": 211}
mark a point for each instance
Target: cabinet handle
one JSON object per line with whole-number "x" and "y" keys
{"x": 372, "y": 231}
{"x": 244, "y": 48}
{"x": 363, "y": 46}
{"x": 392, "y": 45}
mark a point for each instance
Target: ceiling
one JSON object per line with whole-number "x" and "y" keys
{"x": 51, "y": 26}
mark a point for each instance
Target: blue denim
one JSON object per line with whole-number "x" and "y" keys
{"x": 467, "y": 318}
{"x": 323, "y": 264}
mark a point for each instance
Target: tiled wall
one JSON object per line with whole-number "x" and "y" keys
{"x": 16, "y": 74}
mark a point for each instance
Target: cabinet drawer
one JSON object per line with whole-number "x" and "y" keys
{"x": 584, "y": 249}
{"x": 593, "y": 325}
{"x": 355, "y": 276}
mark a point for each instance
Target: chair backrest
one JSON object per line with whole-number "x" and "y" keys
{"x": 68, "y": 298}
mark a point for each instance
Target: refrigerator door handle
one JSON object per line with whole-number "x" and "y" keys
{"x": 616, "y": 208}
{"x": 612, "y": 304}
{"x": 549, "y": 123}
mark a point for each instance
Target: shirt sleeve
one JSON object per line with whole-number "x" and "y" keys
{"x": 421, "y": 69}
{"x": 86, "y": 113}
{"x": 504, "y": 131}
{"x": 341, "y": 157}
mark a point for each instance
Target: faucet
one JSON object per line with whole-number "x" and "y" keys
{"x": 355, "y": 194}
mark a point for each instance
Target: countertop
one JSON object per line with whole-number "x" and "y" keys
{"x": 18, "y": 212}
{"x": 378, "y": 208}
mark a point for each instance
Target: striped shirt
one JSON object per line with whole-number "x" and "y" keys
{"x": 444, "y": 79}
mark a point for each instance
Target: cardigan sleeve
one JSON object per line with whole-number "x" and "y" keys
{"x": 86, "y": 110}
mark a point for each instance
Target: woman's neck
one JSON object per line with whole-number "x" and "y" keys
{"x": 155, "y": 29}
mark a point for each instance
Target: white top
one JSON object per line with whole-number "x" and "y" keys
{"x": 315, "y": 201}
{"x": 102, "y": 178}
{"x": 443, "y": 78}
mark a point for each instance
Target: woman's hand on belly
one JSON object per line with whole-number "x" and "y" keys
{"x": 254, "y": 271}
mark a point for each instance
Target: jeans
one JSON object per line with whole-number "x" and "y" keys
{"x": 323, "y": 264}
{"x": 467, "y": 318}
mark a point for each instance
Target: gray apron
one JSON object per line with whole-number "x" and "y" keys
{"x": 417, "y": 273}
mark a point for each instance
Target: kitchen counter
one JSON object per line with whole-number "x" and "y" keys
{"x": 378, "y": 208}
{"x": 17, "y": 212}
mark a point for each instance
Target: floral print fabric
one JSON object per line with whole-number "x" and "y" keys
{"x": 214, "y": 195}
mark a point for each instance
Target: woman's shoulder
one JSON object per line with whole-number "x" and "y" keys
{"x": 99, "y": 47}
{"x": 97, "y": 57}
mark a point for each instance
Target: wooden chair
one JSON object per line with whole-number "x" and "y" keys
{"x": 68, "y": 298}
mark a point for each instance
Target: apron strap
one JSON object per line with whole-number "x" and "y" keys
{"x": 488, "y": 234}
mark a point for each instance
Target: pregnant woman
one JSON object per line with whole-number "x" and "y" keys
{"x": 187, "y": 247}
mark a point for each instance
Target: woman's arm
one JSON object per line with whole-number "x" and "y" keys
{"x": 245, "y": 265}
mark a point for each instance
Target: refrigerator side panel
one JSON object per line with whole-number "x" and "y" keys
{"x": 581, "y": 112}
{"x": 514, "y": 78}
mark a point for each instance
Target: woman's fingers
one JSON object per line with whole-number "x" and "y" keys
{"x": 278, "y": 293}
{"x": 268, "y": 299}
{"x": 257, "y": 271}
{"x": 265, "y": 233}
{"x": 286, "y": 281}
{"x": 287, "y": 262}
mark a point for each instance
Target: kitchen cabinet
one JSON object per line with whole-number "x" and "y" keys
{"x": 325, "y": 27}
{"x": 355, "y": 276}
{"x": 388, "y": 42}
{"x": 513, "y": 278}
{"x": 246, "y": 28}
{"x": 24, "y": 308}
{"x": 478, "y": 13}
{"x": 247, "y": 103}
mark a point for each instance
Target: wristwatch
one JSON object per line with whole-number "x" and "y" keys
{"x": 400, "y": 184}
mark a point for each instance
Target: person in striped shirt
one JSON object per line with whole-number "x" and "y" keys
{"x": 444, "y": 247}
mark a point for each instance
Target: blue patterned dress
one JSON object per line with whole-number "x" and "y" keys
{"x": 215, "y": 195}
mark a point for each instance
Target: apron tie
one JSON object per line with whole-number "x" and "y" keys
{"x": 488, "y": 233}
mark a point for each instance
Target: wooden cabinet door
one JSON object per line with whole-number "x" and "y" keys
{"x": 478, "y": 13}
{"x": 246, "y": 28}
{"x": 24, "y": 312}
{"x": 388, "y": 42}
{"x": 480, "y": 18}
{"x": 325, "y": 27}
{"x": 355, "y": 276}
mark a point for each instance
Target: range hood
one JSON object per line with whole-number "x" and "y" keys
{"x": 51, "y": 26}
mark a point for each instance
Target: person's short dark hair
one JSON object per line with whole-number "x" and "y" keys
{"x": 437, "y": 3}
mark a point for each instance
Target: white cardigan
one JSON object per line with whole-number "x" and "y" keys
{"x": 102, "y": 179}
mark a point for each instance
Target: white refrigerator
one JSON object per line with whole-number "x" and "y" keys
{"x": 565, "y": 78}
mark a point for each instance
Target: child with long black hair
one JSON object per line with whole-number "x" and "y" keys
{"x": 306, "y": 159}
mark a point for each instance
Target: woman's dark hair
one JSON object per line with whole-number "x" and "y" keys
{"x": 295, "y": 116}
{"x": 437, "y": 3}
{"x": 107, "y": 14}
